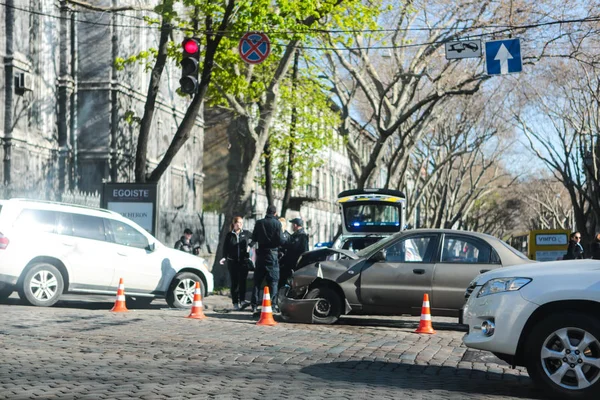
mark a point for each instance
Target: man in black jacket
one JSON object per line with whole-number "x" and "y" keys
{"x": 185, "y": 243}
{"x": 297, "y": 244}
{"x": 268, "y": 236}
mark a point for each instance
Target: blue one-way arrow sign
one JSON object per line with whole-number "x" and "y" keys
{"x": 503, "y": 57}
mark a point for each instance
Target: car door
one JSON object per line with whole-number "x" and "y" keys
{"x": 398, "y": 283}
{"x": 139, "y": 267}
{"x": 462, "y": 258}
{"x": 89, "y": 257}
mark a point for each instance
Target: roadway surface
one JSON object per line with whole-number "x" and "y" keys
{"x": 78, "y": 349}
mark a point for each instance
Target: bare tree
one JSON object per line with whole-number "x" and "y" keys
{"x": 561, "y": 125}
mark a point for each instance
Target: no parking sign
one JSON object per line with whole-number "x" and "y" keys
{"x": 254, "y": 47}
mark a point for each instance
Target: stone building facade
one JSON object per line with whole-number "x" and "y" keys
{"x": 69, "y": 117}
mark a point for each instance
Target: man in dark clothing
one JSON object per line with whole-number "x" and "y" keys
{"x": 297, "y": 244}
{"x": 185, "y": 243}
{"x": 268, "y": 236}
{"x": 575, "y": 250}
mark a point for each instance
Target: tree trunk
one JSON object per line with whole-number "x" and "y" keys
{"x": 241, "y": 167}
{"x": 289, "y": 181}
{"x": 268, "y": 172}
{"x": 141, "y": 155}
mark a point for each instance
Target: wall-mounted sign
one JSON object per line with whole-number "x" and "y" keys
{"x": 136, "y": 201}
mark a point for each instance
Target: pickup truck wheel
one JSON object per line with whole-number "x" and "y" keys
{"x": 329, "y": 308}
{"x": 563, "y": 355}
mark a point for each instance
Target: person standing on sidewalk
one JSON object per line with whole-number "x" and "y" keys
{"x": 575, "y": 249}
{"x": 268, "y": 236}
{"x": 235, "y": 253}
{"x": 185, "y": 243}
{"x": 297, "y": 244}
{"x": 596, "y": 247}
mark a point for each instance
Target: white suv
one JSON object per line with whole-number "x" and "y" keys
{"x": 48, "y": 249}
{"x": 544, "y": 316}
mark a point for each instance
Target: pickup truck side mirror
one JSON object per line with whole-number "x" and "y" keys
{"x": 380, "y": 256}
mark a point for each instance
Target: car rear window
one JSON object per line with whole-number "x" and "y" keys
{"x": 36, "y": 220}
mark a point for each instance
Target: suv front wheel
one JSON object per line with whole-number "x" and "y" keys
{"x": 181, "y": 291}
{"x": 42, "y": 285}
{"x": 563, "y": 355}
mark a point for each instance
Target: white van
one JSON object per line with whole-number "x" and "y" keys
{"x": 48, "y": 249}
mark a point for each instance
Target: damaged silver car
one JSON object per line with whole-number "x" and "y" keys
{"x": 391, "y": 276}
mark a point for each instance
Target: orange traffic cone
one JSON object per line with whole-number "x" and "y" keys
{"x": 266, "y": 313}
{"x": 425, "y": 323}
{"x": 120, "y": 303}
{"x": 197, "y": 308}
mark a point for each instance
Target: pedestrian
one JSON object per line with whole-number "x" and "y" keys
{"x": 297, "y": 244}
{"x": 185, "y": 243}
{"x": 237, "y": 257}
{"x": 283, "y": 248}
{"x": 268, "y": 236}
{"x": 575, "y": 250}
{"x": 596, "y": 247}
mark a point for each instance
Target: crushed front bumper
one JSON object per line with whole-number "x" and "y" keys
{"x": 295, "y": 310}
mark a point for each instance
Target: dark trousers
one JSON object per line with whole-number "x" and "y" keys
{"x": 238, "y": 272}
{"x": 267, "y": 267}
{"x": 284, "y": 275}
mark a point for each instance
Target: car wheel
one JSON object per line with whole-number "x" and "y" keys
{"x": 329, "y": 308}
{"x": 5, "y": 293}
{"x": 42, "y": 285}
{"x": 181, "y": 291}
{"x": 563, "y": 356}
{"x": 138, "y": 302}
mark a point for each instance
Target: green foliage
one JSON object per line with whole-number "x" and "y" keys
{"x": 131, "y": 118}
{"x": 316, "y": 123}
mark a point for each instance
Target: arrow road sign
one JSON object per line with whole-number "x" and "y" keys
{"x": 503, "y": 57}
{"x": 463, "y": 49}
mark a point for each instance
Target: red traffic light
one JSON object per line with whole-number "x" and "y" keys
{"x": 190, "y": 46}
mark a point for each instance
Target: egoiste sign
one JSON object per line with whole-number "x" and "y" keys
{"x": 136, "y": 201}
{"x": 137, "y": 193}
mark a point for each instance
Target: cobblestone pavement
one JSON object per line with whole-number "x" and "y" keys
{"x": 80, "y": 350}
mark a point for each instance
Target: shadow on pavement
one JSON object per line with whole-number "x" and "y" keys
{"x": 398, "y": 323}
{"x": 426, "y": 378}
{"x": 80, "y": 302}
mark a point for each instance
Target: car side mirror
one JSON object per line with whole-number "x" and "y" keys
{"x": 151, "y": 247}
{"x": 380, "y": 256}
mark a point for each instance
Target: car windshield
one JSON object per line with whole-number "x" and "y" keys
{"x": 514, "y": 251}
{"x": 375, "y": 247}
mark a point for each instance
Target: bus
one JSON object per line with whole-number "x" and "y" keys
{"x": 542, "y": 244}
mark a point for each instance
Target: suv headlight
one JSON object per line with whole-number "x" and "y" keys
{"x": 500, "y": 285}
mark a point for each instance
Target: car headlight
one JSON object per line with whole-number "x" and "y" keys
{"x": 500, "y": 285}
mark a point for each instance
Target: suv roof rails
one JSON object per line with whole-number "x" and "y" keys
{"x": 61, "y": 204}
